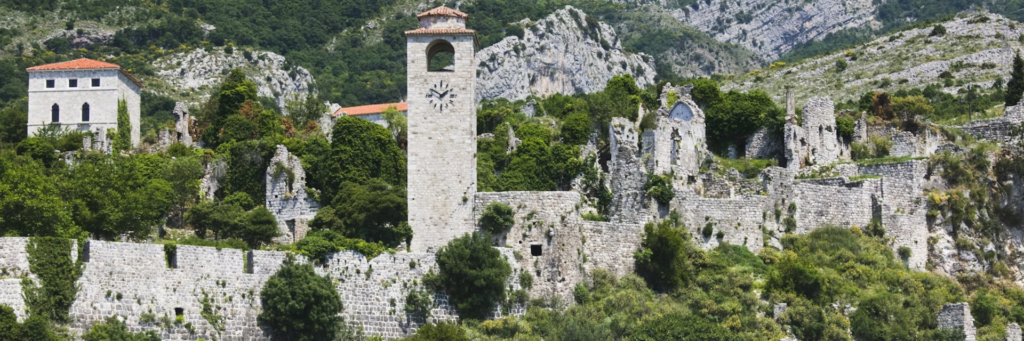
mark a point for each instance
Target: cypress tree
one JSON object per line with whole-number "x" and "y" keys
{"x": 123, "y": 139}
{"x": 1015, "y": 87}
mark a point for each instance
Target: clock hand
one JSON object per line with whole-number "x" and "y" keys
{"x": 444, "y": 94}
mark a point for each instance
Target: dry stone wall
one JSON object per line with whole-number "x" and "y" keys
{"x": 957, "y": 316}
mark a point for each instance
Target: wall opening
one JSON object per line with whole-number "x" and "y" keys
{"x": 171, "y": 255}
{"x": 179, "y": 312}
{"x": 55, "y": 113}
{"x": 440, "y": 56}
{"x": 85, "y": 112}
{"x": 536, "y": 249}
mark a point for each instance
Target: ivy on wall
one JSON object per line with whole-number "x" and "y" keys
{"x": 52, "y": 294}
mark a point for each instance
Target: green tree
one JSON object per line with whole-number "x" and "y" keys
{"x": 397, "y": 125}
{"x": 12, "y": 125}
{"x": 247, "y": 167}
{"x": 31, "y": 202}
{"x": 497, "y": 218}
{"x": 37, "y": 148}
{"x": 226, "y": 104}
{"x": 10, "y": 329}
{"x": 576, "y": 129}
{"x": 359, "y": 151}
{"x": 123, "y": 138}
{"x": 113, "y": 329}
{"x": 1015, "y": 87}
{"x": 112, "y": 195}
{"x": 184, "y": 174}
{"x": 663, "y": 260}
{"x": 299, "y": 305}
{"x": 301, "y": 112}
{"x": 260, "y": 228}
{"x": 841, "y": 65}
{"x": 372, "y": 212}
{"x": 473, "y": 274}
{"x": 222, "y": 219}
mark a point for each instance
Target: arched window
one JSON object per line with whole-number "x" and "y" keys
{"x": 85, "y": 112}
{"x": 55, "y": 113}
{"x": 440, "y": 56}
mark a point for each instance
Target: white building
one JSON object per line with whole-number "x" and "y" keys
{"x": 82, "y": 95}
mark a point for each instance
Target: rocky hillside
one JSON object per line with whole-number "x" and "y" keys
{"x": 772, "y": 27}
{"x": 567, "y": 52}
{"x": 976, "y": 49}
{"x": 187, "y": 75}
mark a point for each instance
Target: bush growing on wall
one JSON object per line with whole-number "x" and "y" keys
{"x": 497, "y": 218}
{"x": 300, "y": 305}
{"x": 49, "y": 258}
{"x": 472, "y": 273}
{"x": 660, "y": 188}
{"x": 663, "y": 260}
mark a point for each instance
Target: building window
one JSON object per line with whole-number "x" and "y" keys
{"x": 50, "y": 84}
{"x": 95, "y": 82}
{"x": 55, "y": 113}
{"x": 72, "y": 83}
{"x": 85, "y": 112}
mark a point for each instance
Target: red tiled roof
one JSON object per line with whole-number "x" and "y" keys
{"x": 371, "y": 109}
{"x": 445, "y": 12}
{"x": 441, "y": 31}
{"x": 84, "y": 64}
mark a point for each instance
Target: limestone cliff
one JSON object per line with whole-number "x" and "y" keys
{"x": 566, "y": 52}
{"x": 771, "y": 27}
{"x": 194, "y": 72}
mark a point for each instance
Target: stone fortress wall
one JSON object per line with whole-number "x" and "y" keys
{"x": 130, "y": 280}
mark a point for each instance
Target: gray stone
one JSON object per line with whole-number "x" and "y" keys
{"x": 1013, "y": 332}
{"x": 957, "y": 316}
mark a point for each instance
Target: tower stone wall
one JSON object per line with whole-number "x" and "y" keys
{"x": 442, "y": 131}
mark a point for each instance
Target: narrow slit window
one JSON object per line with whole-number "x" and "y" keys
{"x": 55, "y": 113}
{"x": 85, "y": 112}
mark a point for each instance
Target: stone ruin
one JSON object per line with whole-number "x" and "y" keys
{"x": 678, "y": 143}
{"x": 815, "y": 141}
{"x": 957, "y": 316}
{"x": 287, "y": 198}
{"x": 182, "y": 132}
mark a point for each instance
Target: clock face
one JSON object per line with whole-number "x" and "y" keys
{"x": 442, "y": 96}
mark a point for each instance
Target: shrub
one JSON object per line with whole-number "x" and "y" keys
{"x": 497, "y": 218}
{"x": 844, "y": 127}
{"x": 316, "y": 247}
{"x": 904, "y": 252}
{"x": 113, "y": 329}
{"x": 875, "y": 228}
{"x": 576, "y": 129}
{"x": 49, "y": 258}
{"x": 859, "y": 151}
{"x": 260, "y": 228}
{"x": 418, "y": 303}
{"x": 439, "y": 332}
{"x": 708, "y": 230}
{"x": 841, "y": 65}
{"x": 660, "y": 188}
{"x": 679, "y": 327}
{"x": 720, "y": 235}
{"x": 299, "y": 305}
{"x": 581, "y": 294}
{"x": 938, "y": 30}
{"x": 790, "y": 224}
{"x": 662, "y": 261}
{"x": 526, "y": 280}
{"x": 472, "y": 273}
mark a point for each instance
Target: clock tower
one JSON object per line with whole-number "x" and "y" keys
{"x": 442, "y": 128}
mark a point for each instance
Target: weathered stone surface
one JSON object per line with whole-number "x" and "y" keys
{"x": 557, "y": 54}
{"x": 678, "y": 143}
{"x": 198, "y": 68}
{"x": 957, "y": 316}
{"x": 1013, "y": 332}
{"x": 772, "y": 28}
{"x": 287, "y": 198}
